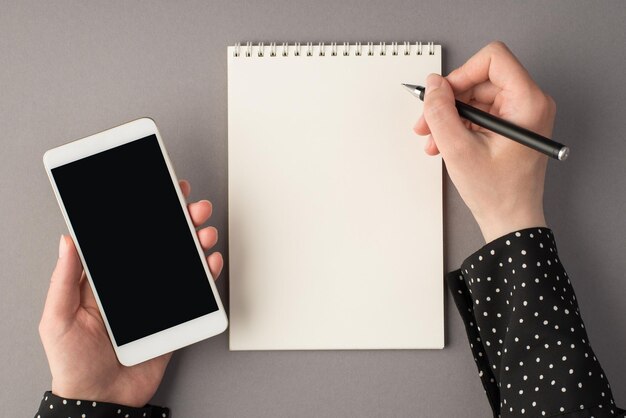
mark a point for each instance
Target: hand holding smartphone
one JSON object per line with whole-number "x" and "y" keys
{"x": 146, "y": 268}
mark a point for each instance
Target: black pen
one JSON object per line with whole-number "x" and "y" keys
{"x": 500, "y": 126}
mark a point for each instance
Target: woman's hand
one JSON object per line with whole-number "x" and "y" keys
{"x": 80, "y": 354}
{"x": 500, "y": 180}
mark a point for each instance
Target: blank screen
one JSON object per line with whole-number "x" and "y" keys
{"x": 135, "y": 239}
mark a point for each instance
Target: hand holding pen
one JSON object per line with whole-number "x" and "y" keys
{"x": 500, "y": 180}
{"x": 505, "y": 128}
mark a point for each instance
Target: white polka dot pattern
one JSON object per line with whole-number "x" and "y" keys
{"x": 525, "y": 330}
{"x": 53, "y": 406}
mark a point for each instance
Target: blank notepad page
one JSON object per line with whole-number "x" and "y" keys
{"x": 335, "y": 211}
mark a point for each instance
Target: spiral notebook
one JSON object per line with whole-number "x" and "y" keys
{"x": 335, "y": 212}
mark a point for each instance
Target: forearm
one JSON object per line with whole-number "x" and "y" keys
{"x": 526, "y": 332}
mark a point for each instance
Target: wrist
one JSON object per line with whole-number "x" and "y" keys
{"x": 496, "y": 227}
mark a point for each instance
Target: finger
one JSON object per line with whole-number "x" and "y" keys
{"x": 63, "y": 297}
{"x": 185, "y": 187}
{"x": 200, "y": 211}
{"x": 430, "y": 147}
{"x": 485, "y": 92}
{"x": 421, "y": 127}
{"x": 216, "y": 263}
{"x": 495, "y": 63}
{"x": 447, "y": 129}
{"x": 479, "y": 105}
{"x": 87, "y": 299}
{"x": 487, "y": 108}
{"x": 208, "y": 237}
{"x": 161, "y": 363}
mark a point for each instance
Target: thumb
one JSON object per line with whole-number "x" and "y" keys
{"x": 64, "y": 293}
{"x": 446, "y": 127}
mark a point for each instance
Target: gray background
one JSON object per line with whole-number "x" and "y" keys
{"x": 70, "y": 69}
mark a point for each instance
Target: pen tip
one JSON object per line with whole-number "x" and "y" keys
{"x": 417, "y": 91}
{"x": 412, "y": 87}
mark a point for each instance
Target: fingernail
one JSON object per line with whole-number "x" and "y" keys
{"x": 62, "y": 247}
{"x": 433, "y": 81}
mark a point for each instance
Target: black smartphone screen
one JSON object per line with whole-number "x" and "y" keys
{"x": 137, "y": 245}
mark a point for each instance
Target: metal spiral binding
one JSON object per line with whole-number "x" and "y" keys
{"x": 358, "y": 49}
{"x": 346, "y": 49}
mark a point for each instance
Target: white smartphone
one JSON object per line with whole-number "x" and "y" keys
{"x": 127, "y": 215}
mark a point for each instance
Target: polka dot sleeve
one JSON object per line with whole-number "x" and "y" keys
{"x": 53, "y": 406}
{"x": 526, "y": 333}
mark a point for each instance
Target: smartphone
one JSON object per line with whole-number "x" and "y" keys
{"x": 128, "y": 217}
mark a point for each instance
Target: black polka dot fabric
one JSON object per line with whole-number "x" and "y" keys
{"x": 53, "y": 406}
{"x": 526, "y": 333}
